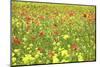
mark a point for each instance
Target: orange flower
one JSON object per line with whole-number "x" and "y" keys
{"x": 89, "y": 16}
{"x": 41, "y": 33}
{"x": 40, "y": 49}
{"x": 38, "y": 23}
{"x": 41, "y": 17}
{"x": 74, "y": 46}
{"x": 28, "y": 18}
{"x": 27, "y": 27}
{"x": 50, "y": 54}
{"x": 71, "y": 13}
{"x": 16, "y": 40}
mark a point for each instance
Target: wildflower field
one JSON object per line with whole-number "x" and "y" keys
{"x": 44, "y": 33}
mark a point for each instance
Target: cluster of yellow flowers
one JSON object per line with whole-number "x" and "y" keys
{"x": 13, "y": 60}
{"x": 27, "y": 58}
{"x": 55, "y": 59}
{"x": 64, "y": 53}
{"x": 80, "y": 57}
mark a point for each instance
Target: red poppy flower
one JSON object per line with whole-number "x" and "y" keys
{"x": 74, "y": 46}
{"x": 89, "y": 16}
{"x": 37, "y": 22}
{"x": 16, "y": 40}
{"x": 41, "y": 33}
{"x": 71, "y": 13}
{"x": 28, "y": 18}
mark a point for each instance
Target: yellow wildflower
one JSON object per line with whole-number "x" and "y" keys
{"x": 80, "y": 57}
{"x": 24, "y": 39}
{"x": 58, "y": 43}
{"x": 30, "y": 51}
{"x": 14, "y": 63}
{"x": 68, "y": 45}
{"x": 25, "y": 46}
{"x": 65, "y": 37}
{"x": 18, "y": 24}
{"x": 77, "y": 39}
{"x": 55, "y": 59}
{"x": 27, "y": 58}
{"x": 59, "y": 49}
{"x": 16, "y": 50}
{"x": 55, "y": 48}
{"x": 38, "y": 54}
{"x": 76, "y": 53}
{"x": 13, "y": 54}
{"x": 28, "y": 48}
{"x": 64, "y": 60}
{"x": 54, "y": 43}
{"x": 31, "y": 45}
{"x": 28, "y": 32}
{"x": 64, "y": 53}
{"x": 13, "y": 59}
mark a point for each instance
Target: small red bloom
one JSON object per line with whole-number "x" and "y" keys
{"x": 71, "y": 13}
{"x": 16, "y": 40}
{"x": 40, "y": 49}
{"x": 28, "y": 18}
{"x": 74, "y": 46}
{"x": 41, "y": 17}
{"x": 38, "y": 23}
{"x": 89, "y": 16}
{"x": 41, "y": 33}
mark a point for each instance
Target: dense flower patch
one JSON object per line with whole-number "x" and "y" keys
{"x": 52, "y": 33}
